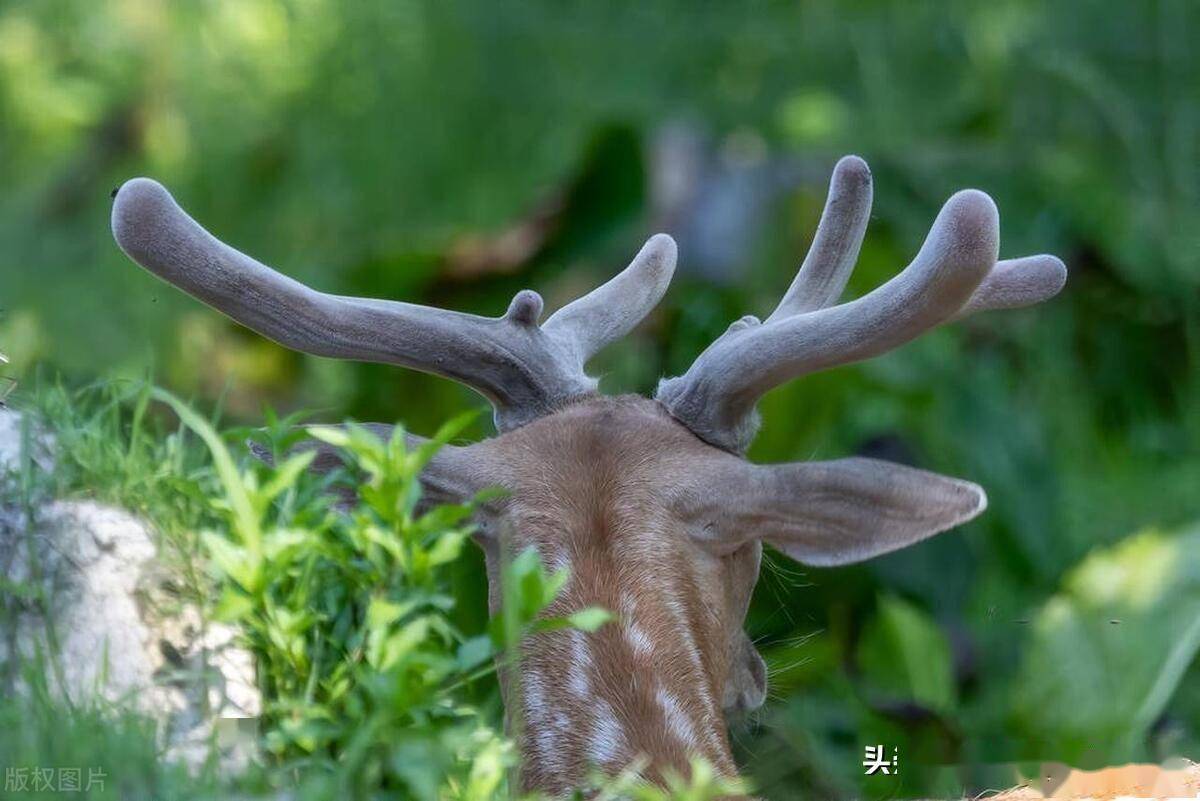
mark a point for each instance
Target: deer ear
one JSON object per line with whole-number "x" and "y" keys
{"x": 454, "y": 475}
{"x": 328, "y": 457}
{"x": 846, "y": 511}
{"x": 835, "y": 513}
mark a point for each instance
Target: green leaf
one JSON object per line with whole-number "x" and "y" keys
{"x": 246, "y": 520}
{"x": 382, "y": 613}
{"x": 474, "y": 652}
{"x": 448, "y": 431}
{"x": 1124, "y": 628}
{"x": 238, "y": 563}
{"x": 331, "y": 435}
{"x": 402, "y": 643}
{"x": 552, "y": 585}
{"x": 421, "y": 765}
{"x": 904, "y": 653}
{"x": 285, "y": 475}
{"x": 281, "y": 543}
{"x": 446, "y": 548}
{"x": 233, "y": 606}
{"x": 590, "y": 619}
{"x": 443, "y": 517}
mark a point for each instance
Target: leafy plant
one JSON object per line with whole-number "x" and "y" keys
{"x": 908, "y": 657}
{"x": 348, "y": 612}
{"x": 48, "y": 746}
{"x": 347, "y": 609}
{"x": 347, "y": 615}
{"x": 702, "y": 784}
{"x": 1124, "y": 628}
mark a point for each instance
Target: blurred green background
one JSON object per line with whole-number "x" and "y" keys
{"x": 452, "y": 153}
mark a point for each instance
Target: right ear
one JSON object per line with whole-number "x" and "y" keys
{"x": 455, "y": 474}
{"x": 827, "y": 513}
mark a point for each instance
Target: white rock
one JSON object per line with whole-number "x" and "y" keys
{"x": 10, "y": 443}
{"x": 113, "y": 622}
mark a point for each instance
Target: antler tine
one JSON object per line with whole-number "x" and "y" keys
{"x": 717, "y": 395}
{"x": 822, "y": 278}
{"x": 1014, "y": 283}
{"x": 611, "y": 310}
{"x": 834, "y": 250}
{"x": 954, "y": 274}
{"x": 524, "y": 370}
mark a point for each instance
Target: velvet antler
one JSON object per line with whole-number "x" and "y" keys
{"x": 525, "y": 369}
{"x": 955, "y": 273}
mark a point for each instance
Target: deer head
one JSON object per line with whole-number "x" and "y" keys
{"x": 649, "y": 502}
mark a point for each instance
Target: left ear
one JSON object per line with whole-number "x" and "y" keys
{"x": 328, "y": 458}
{"x": 826, "y": 513}
{"x": 455, "y": 474}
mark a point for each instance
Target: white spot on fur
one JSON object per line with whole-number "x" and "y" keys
{"x": 677, "y": 719}
{"x": 579, "y": 678}
{"x": 555, "y": 560}
{"x": 681, "y": 622}
{"x": 608, "y": 738}
{"x": 535, "y": 694}
{"x": 639, "y": 640}
{"x": 693, "y": 653}
{"x": 546, "y": 748}
{"x": 545, "y": 738}
{"x": 628, "y": 607}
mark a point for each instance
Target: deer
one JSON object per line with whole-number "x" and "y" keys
{"x": 650, "y": 502}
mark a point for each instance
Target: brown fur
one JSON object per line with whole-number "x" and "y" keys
{"x": 593, "y": 483}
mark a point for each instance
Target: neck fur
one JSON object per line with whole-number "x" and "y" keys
{"x": 642, "y": 686}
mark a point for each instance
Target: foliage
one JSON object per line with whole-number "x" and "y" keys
{"x": 703, "y": 784}
{"x": 102, "y": 440}
{"x": 907, "y": 651}
{"x": 108, "y": 440}
{"x": 347, "y": 610}
{"x": 1129, "y": 613}
{"x": 115, "y": 752}
{"x": 347, "y": 614}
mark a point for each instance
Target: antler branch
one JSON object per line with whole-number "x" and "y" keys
{"x": 834, "y": 250}
{"x": 955, "y": 273}
{"x": 525, "y": 370}
{"x": 607, "y": 313}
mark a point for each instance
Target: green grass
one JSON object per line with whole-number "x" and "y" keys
{"x": 115, "y": 751}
